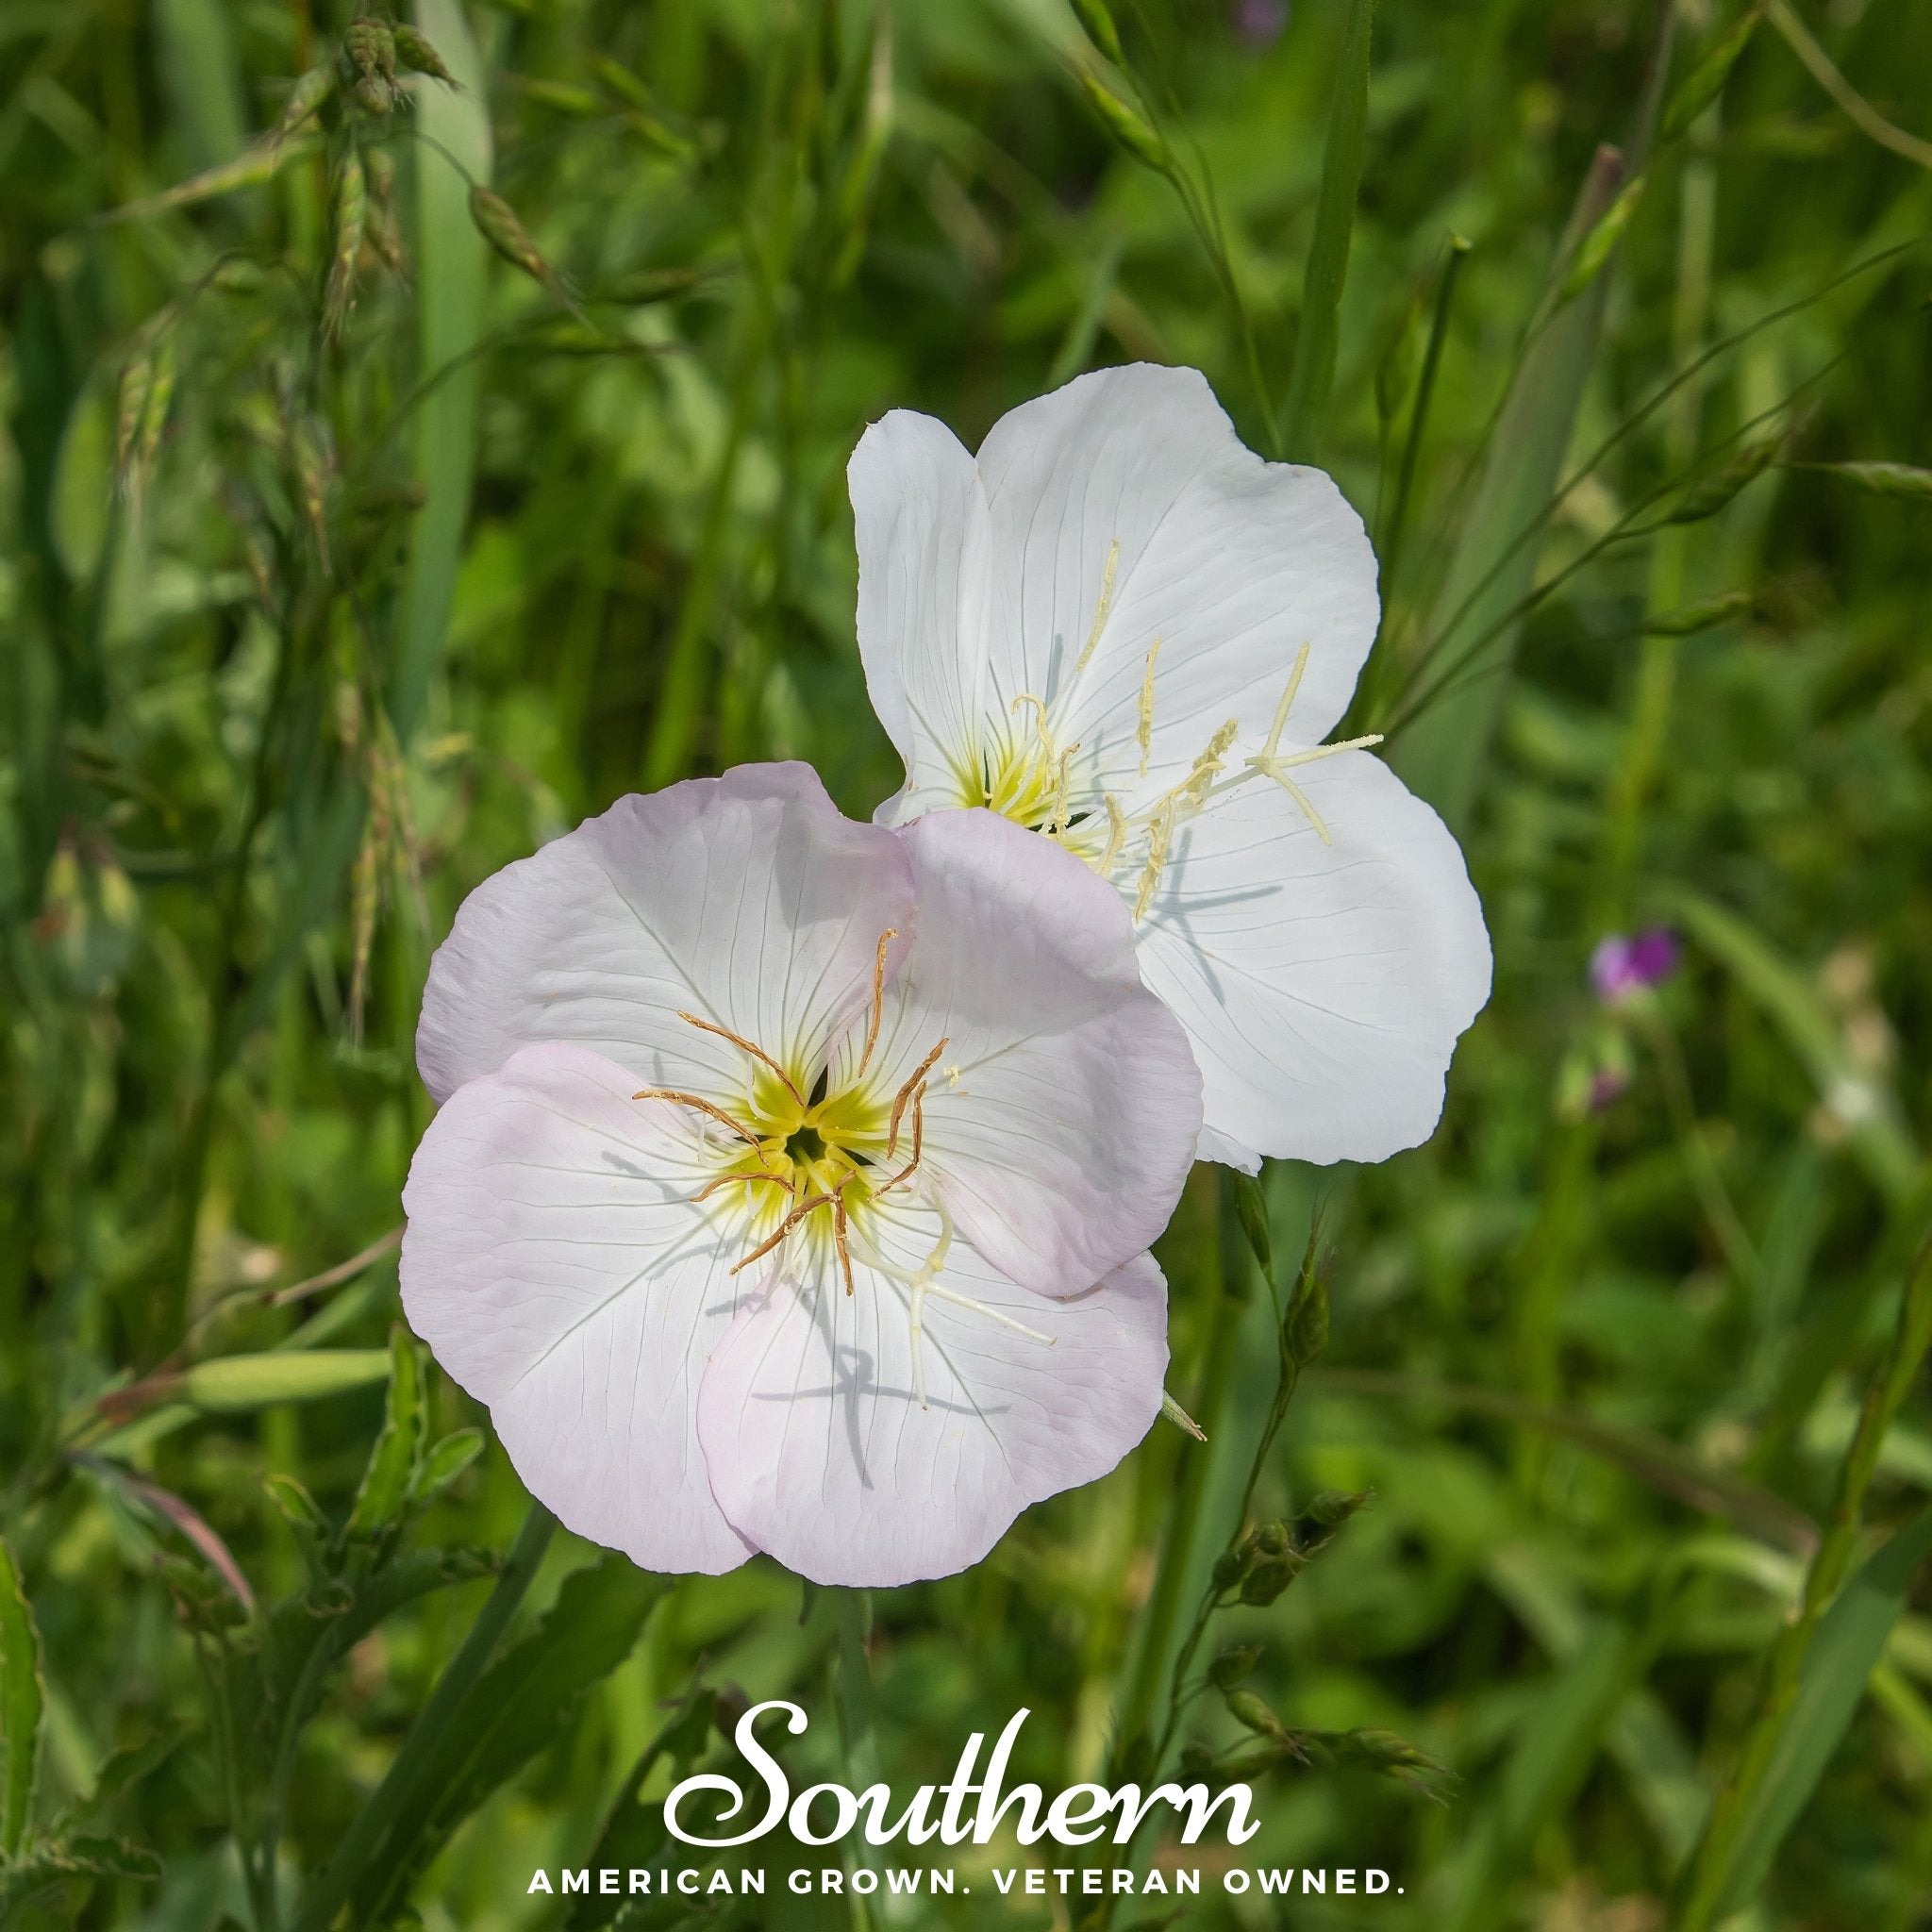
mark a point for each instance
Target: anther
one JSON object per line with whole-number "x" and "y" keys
{"x": 879, "y": 996}
{"x": 1145, "y": 732}
{"x": 1101, "y": 610}
{"x": 839, "y": 1240}
{"x": 704, "y": 1107}
{"x": 911, "y": 1167}
{"x": 905, "y": 1094}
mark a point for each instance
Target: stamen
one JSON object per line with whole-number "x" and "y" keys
{"x": 966, "y": 1301}
{"x": 1145, "y": 729}
{"x": 1040, "y": 731}
{"x": 1323, "y": 751}
{"x": 1160, "y": 840}
{"x": 716, "y": 1113}
{"x": 1101, "y": 610}
{"x": 1056, "y": 821}
{"x": 784, "y": 1227}
{"x": 839, "y": 1240}
{"x": 729, "y": 1180}
{"x": 879, "y": 996}
{"x": 1281, "y": 710}
{"x": 737, "y": 1040}
{"x": 1192, "y": 791}
{"x": 918, "y": 1075}
{"x": 907, "y": 1172}
{"x": 1116, "y": 834}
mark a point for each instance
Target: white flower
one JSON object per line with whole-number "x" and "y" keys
{"x": 1121, "y": 629}
{"x": 793, "y": 1178}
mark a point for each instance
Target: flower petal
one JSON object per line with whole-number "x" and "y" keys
{"x": 555, "y": 1264}
{"x": 1231, "y": 562}
{"x": 919, "y": 518}
{"x": 1324, "y": 988}
{"x": 1061, "y": 1119}
{"x": 821, "y": 1453}
{"x": 749, "y": 900}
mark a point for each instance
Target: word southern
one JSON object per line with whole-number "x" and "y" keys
{"x": 824, "y": 1813}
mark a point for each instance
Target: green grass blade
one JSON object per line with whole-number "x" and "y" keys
{"x": 451, "y": 257}
{"x": 1441, "y": 754}
{"x": 203, "y": 78}
{"x": 1312, "y": 375}
{"x": 1850, "y": 1642}
{"x": 21, "y": 1700}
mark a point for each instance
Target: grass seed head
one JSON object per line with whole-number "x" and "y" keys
{"x": 414, "y": 52}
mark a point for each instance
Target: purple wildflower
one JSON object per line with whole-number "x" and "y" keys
{"x": 1624, "y": 964}
{"x": 1259, "y": 23}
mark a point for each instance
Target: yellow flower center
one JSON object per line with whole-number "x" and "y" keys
{"x": 807, "y": 1160}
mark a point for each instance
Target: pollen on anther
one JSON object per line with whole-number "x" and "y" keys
{"x": 1144, "y": 732}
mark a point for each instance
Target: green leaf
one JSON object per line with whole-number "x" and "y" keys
{"x": 203, "y": 77}
{"x": 298, "y": 1508}
{"x": 633, "y": 1833}
{"x": 1850, "y": 1639}
{"x": 23, "y": 1698}
{"x": 1312, "y": 375}
{"x": 1878, "y": 1134}
{"x": 385, "y": 1486}
{"x": 1445, "y": 753}
{"x": 237, "y": 1383}
{"x": 522, "y": 1704}
{"x": 120, "y": 1771}
{"x": 442, "y": 1466}
{"x": 75, "y": 1858}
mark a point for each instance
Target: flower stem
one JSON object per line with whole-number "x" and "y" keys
{"x": 1135, "y": 1711}
{"x": 856, "y": 1721}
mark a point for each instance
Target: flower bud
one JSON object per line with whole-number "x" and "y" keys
{"x": 1267, "y": 1580}
{"x": 1097, "y": 19}
{"x": 1126, "y": 125}
{"x": 1247, "y": 1708}
{"x": 308, "y": 94}
{"x": 1233, "y": 1665}
{"x": 1333, "y": 1507}
{"x": 371, "y": 46}
{"x": 352, "y": 209}
{"x": 499, "y": 225}
{"x": 1711, "y": 492}
{"x": 1251, "y": 1210}
{"x": 1705, "y": 81}
{"x": 1594, "y": 249}
{"x": 415, "y": 53}
{"x": 130, "y": 404}
{"x": 1231, "y": 1566}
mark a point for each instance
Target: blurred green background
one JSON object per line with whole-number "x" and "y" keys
{"x": 357, "y": 534}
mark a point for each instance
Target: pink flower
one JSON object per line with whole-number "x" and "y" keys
{"x": 1624, "y": 965}
{"x": 793, "y": 1178}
